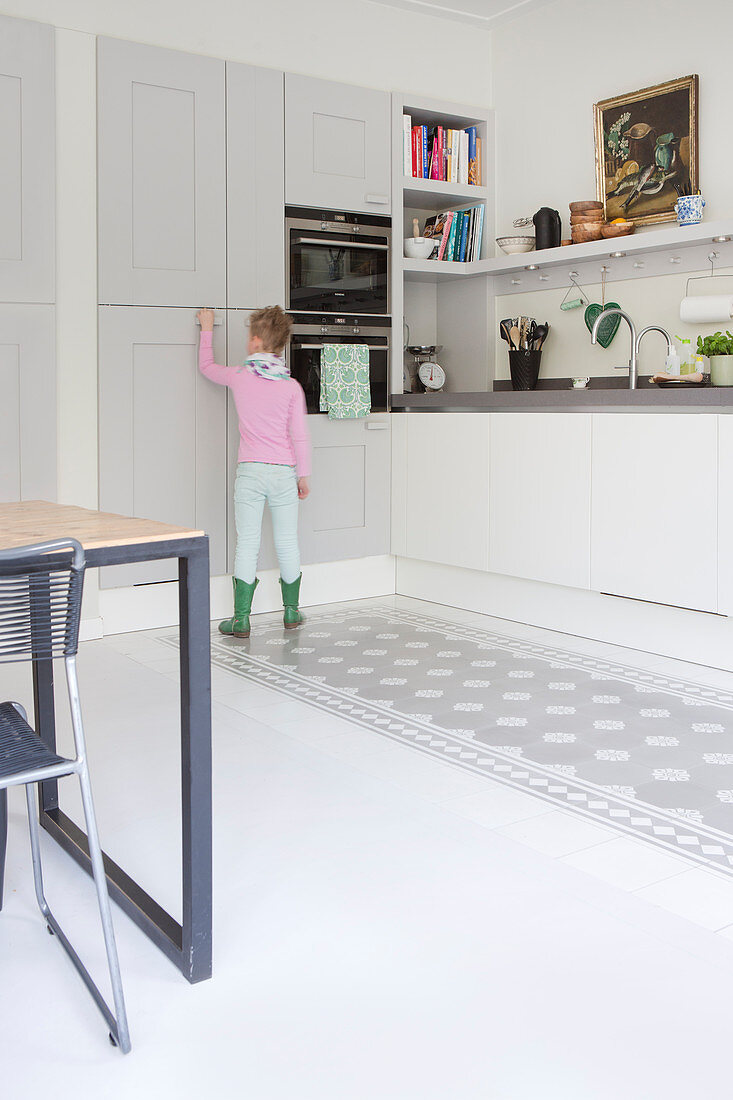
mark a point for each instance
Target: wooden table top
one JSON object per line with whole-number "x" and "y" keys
{"x": 25, "y": 522}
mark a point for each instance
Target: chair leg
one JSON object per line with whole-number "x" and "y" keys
{"x": 3, "y": 838}
{"x": 120, "y": 1030}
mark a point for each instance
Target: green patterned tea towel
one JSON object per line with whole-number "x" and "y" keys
{"x": 345, "y": 393}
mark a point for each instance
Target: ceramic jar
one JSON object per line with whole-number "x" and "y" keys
{"x": 721, "y": 370}
{"x": 688, "y": 209}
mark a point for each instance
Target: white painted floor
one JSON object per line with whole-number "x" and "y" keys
{"x": 386, "y": 926}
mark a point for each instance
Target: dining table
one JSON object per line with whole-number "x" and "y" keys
{"x": 110, "y": 539}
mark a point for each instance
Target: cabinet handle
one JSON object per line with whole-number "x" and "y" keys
{"x": 215, "y": 322}
{"x": 382, "y": 199}
{"x": 340, "y": 244}
{"x": 320, "y": 347}
{"x": 376, "y": 426}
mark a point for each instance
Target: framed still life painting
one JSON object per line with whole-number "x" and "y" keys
{"x": 647, "y": 151}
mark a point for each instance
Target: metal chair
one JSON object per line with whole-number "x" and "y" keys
{"x": 40, "y": 610}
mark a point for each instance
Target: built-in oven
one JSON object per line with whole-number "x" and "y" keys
{"x": 337, "y": 262}
{"x": 312, "y": 331}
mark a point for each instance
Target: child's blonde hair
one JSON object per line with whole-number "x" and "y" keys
{"x": 272, "y": 325}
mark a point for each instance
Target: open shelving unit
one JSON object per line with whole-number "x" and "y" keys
{"x": 436, "y": 300}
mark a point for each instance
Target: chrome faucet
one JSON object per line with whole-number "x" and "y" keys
{"x": 635, "y": 340}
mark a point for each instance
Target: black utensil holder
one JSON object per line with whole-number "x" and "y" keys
{"x": 524, "y": 367}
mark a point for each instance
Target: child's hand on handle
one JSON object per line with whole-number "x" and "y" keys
{"x": 205, "y": 318}
{"x": 303, "y": 488}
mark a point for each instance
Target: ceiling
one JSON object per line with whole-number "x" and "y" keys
{"x": 483, "y": 13}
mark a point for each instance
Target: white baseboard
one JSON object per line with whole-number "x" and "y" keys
{"x": 149, "y": 606}
{"x": 654, "y": 628}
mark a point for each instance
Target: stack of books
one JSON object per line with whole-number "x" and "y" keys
{"x": 440, "y": 153}
{"x": 457, "y": 234}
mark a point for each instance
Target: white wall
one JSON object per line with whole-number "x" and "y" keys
{"x": 549, "y": 69}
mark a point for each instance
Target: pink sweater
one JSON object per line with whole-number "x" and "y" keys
{"x": 272, "y": 414}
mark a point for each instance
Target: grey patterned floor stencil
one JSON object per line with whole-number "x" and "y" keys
{"x": 643, "y": 753}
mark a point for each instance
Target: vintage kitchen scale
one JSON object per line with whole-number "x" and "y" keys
{"x": 430, "y": 374}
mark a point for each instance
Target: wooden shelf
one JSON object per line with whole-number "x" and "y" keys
{"x": 644, "y": 254}
{"x": 422, "y": 194}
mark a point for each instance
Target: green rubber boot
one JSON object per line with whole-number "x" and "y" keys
{"x": 291, "y": 594}
{"x": 238, "y": 625}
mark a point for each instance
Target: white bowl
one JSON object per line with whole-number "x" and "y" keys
{"x": 419, "y": 248}
{"x": 514, "y": 245}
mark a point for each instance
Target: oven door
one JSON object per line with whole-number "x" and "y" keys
{"x": 337, "y": 271}
{"x": 304, "y": 358}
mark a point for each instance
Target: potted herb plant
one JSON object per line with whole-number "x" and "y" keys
{"x": 719, "y": 350}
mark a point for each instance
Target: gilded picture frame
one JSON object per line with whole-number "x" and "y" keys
{"x": 647, "y": 150}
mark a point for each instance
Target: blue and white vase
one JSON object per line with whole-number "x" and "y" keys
{"x": 688, "y": 209}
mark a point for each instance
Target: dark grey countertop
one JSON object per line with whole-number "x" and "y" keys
{"x": 558, "y": 396}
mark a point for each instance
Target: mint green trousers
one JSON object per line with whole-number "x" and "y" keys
{"x": 257, "y": 484}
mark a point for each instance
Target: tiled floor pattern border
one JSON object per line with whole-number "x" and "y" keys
{"x": 699, "y": 844}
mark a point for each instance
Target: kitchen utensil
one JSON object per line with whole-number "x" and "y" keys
{"x": 609, "y": 325}
{"x": 540, "y": 335}
{"x": 548, "y": 228}
{"x": 514, "y": 333}
{"x": 618, "y": 229}
{"x": 574, "y": 303}
{"x": 505, "y": 329}
{"x": 587, "y": 216}
{"x": 416, "y": 228}
{"x": 531, "y": 335}
{"x": 419, "y": 248}
{"x": 432, "y": 376}
{"x": 512, "y": 246}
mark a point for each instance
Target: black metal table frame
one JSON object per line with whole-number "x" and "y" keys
{"x": 188, "y": 945}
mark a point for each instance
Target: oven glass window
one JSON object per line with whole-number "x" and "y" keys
{"x": 305, "y": 367}
{"x": 333, "y": 276}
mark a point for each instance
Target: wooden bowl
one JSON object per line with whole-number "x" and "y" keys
{"x": 584, "y": 207}
{"x": 588, "y": 216}
{"x": 586, "y": 231}
{"x": 621, "y": 229}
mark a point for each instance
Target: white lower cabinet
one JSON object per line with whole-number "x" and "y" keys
{"x": 162, "y": 430}
{"x": 347, "y": 514}
{"x": 539, "y": 497}
{"x": 27, "y": 403}
{"x": 654, "y": 528}
{"x": 447, "y": 508}
{"x": 725, "y": 515}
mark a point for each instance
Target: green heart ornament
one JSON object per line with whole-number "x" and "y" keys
{"x": 608, "y": 326}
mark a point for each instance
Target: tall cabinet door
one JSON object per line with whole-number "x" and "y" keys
{"x": 347, "y": 514}
{"x": 27, "y": 175}
{"x": 162, "y": 430}
{"x": 162, "y": 176}
{"x": 337, "y": 145}
{"x": 255, "y": 187}
{"x": 27, "y": 403}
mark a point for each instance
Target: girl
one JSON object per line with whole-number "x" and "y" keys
{"x": 274, "y": 458}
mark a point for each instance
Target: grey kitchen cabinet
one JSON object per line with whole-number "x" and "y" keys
{"x": 27, "y": 177}
{"x": 255, "y": 187}
{"x": 162, "y": 430}
{"x": 347, "y": 514}
{"x": 161, "y": 176}
{"x": 27, "y": 403}
{"x": 337, "y": 145}
{"x": 236, "y": 355}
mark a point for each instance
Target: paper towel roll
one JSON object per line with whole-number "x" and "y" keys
{"x": 713, "y": 307}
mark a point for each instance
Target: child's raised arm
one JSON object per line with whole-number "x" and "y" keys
{"x": 211, "y": 370}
